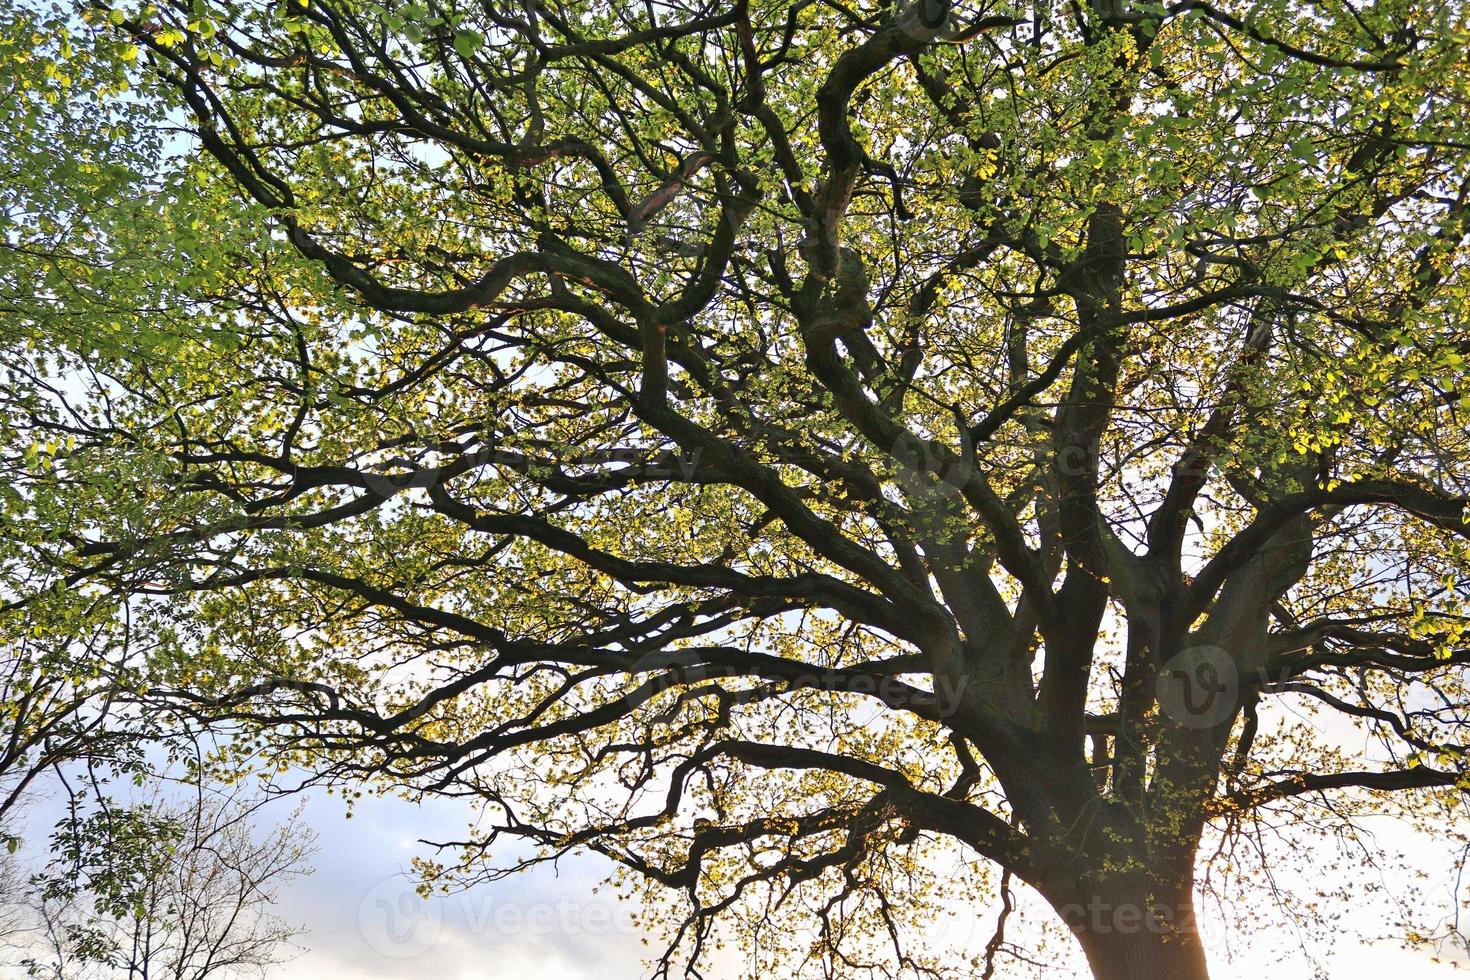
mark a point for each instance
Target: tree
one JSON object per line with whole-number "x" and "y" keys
{"x": 95, "y": 224}
{"x": 768, "y": 444}
{"x": 14, "y": 922}
{"x": 61, "y": 711}
{"x": 167, "y": 888}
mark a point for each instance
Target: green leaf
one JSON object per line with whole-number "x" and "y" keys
{"x": 467, "y": 42}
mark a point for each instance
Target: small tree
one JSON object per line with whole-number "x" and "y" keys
{"x": 167, "y": 890}
{"x": 15, "y": 913}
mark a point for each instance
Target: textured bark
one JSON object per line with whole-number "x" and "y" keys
{"x": 1145, "y": 954}
{"x": 1138, "y": 925}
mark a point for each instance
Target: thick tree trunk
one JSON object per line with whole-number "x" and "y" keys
{"x": 1144, "y": 955}
{"x": 1132, "y": 931}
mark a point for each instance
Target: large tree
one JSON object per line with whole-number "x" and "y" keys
{"x": 773, "y": 443}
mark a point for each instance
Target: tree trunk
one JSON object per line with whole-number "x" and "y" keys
{"x": 1144, "y": 955}
{"x": 1134, "y": 933}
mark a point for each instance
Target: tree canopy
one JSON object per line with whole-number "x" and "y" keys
{"x": 773, "y": 444}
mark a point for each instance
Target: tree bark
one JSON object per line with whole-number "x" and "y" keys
{"x": 1137, "y": 933}
{"x": 1146, "y": 954}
